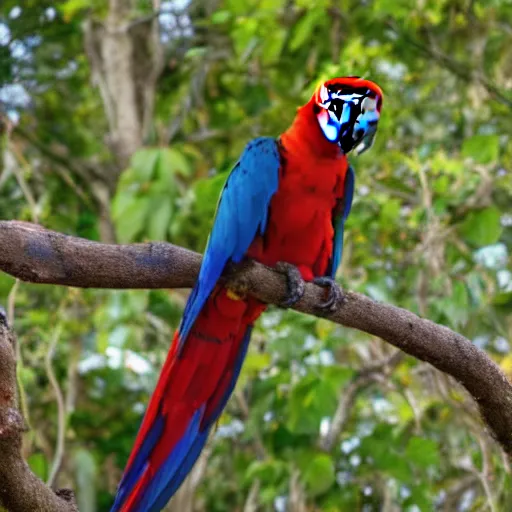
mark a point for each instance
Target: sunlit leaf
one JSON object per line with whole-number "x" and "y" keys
{"x": 482, "y": 148}
{"x": 39, "y": 465}
{"x": 318, "y": 476}
{"x": 305, "y": 28}
{"x": 144, "y": 164}
{"x": 422, "y": 451}
{"x": 482, "y": 227}
{"x": 159, "y": 219}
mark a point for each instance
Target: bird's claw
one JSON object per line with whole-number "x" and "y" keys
{"x": 295, "y": 283}
{"x": 335, "y": 295}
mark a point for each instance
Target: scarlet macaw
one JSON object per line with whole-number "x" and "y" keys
{"x": 286, "y": 200}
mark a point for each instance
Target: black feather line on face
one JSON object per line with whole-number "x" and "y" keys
{"x": 344, "y": 89}
{"x": 336, "y": 107}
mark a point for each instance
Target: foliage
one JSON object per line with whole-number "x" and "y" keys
{"x": 430, "y": 230}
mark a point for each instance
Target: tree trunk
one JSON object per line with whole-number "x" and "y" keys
{"x": 126, "y": 59}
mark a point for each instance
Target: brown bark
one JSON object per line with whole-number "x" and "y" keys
{"x": 126, "y": 59}
{"x": 35, "y": 254}
{"x": 20, "y": 489}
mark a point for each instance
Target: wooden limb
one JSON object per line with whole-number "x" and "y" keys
{"x": 35, "y": 254}
{"x": 20, "y": 489}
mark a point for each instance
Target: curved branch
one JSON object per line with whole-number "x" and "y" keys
{"x": 35, "y": 254}
{"x": 369, "y": 374}
{"x": 462, "y": 70}
{"x": 21, "y": 490}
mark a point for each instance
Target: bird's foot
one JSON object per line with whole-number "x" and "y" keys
{"x": 295, "y": 283}
{"x": 335, "y": 295}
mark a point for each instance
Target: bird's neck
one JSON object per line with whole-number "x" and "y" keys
{"x": 305, "y": 136}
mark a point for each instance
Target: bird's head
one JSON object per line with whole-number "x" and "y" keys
{"x": 347, "y": 110}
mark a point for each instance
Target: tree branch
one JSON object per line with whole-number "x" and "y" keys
{"x": 35, "y": 254}
{"x": 462, "y": 70}
{"x": 368, "y": 375}
{"x": 20, "y": 490}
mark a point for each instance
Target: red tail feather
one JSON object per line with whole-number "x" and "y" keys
{"x": 200, "y": 376}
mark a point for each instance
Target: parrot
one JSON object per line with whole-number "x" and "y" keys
{"x": 284, "y": 204}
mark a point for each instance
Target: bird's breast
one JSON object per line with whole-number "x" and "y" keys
{"x": 299, "y": 228}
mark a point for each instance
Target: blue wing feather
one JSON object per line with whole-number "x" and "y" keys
{"x": 339, "y": 221}
{"x": 241, "y": 213}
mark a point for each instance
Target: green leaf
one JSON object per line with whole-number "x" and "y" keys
{"x": 39, "y": 465}
{"x": 267, "y": 471}
{"x": 310, "y": 400}
{"x": 503, "y": 299}
{"x": 86, "y": 474}
{"x": 244, "y": 34}
{"x": 482, "y": 227}
{"x": 256, "y": 361}
{"x": 144, "y": 163}
{"x": 393, "y": 464}
{"x": 483, "y": 149}
{"x": 129, "y": 225}
{"x": 172, "y": 161}
{"x": 456, "y": 307}
{"x": 71, "y": 7}
{"x": 219, "y": 17}
{"x": 397, "y": 8}
{"x": 422, "y": 451}
{"x": 27, "y": 375}
{"x": 6, "y": 284}
{"x": 390, "y": 212}
{"x": 305, "y": 28}
{"x": 159, "y": 219}
{"x": 421, "y": 498}
{"x": 319, "y": 475}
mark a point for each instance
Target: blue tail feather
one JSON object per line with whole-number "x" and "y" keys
{"x": 164, "y": 473}
{"x": 139, "y": 464}
{"x": 182, "y": 473}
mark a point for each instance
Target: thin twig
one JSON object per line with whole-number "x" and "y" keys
{"x": 368, "y": 375}
{"x": 17, "y": 170}
{"x": 259, "y": 446}
{"x": 11, "y": 306}
{"x": 61, "y": 406}
{"x": 252, "y": 501}
{"x": 484, "y": 475}
{"x": 462, "y": 70}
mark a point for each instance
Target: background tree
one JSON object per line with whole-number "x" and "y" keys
{"x": 120, "y": 121}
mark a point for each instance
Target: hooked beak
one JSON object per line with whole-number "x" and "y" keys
{"x": 365, "y": 126}
{"x": 366, "y": 142}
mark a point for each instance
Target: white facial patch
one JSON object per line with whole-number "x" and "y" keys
{"x": 324, "y": 94}
{"x": 329, "y": 128}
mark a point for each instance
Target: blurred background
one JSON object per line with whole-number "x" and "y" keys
{"x": 120, "y": 121}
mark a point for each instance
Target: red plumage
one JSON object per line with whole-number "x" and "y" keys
{"x": 199, "y": 375}
{"x": 299, "y": 231}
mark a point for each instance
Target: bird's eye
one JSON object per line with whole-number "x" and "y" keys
{"x": 336, "y": 107}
